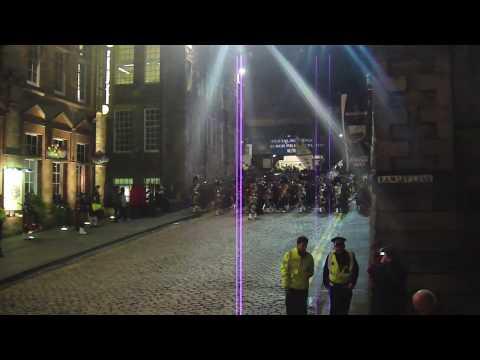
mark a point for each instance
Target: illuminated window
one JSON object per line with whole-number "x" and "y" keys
{"x": 81, "y": 82}
{"x": 57, "y": 179}
{"x": 152, "y": 184}
{"x": 33, "y": 75}
{"x": 60, "y": 72}
{"x": 82, "y": 153}
{"x": 126, "y": 183}
{"x": 31, "y": 172}
{"x": 81, "y": 178}
{"x": 124, "y": 64}
{"x": 152, "y": 130}
{"x": 33, "y": 144}
{"x": 62, "y": 144}
{"x": 123, "y": 131}
{"x": 152, "y": 64}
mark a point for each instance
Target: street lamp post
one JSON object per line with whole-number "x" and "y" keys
{"x": 343, "y": 102}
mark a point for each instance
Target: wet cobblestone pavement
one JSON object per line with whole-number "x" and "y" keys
{"x": 185, "y": 268}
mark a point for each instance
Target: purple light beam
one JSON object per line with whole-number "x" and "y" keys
{"x": 239, "y": 187}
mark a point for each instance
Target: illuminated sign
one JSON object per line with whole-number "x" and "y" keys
{"x": 405, "y": 179}
{"x": 293, "y": 146}
{"x": 12, "y": 189}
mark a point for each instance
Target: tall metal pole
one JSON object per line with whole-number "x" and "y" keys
{"x": 330, "y": 134}
{"x": 343, "y": 104}
{"x": 315, "y": 141}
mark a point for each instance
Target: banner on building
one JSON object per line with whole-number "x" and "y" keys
{"x": 294, "y": 146}
{"x": 357, "y": 136}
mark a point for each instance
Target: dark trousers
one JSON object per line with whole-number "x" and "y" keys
{"x": 116, "y": 213}
{"x": 340, "y": 298}
{"x": 123, "y": 213}
{"x": 296, "y": 301}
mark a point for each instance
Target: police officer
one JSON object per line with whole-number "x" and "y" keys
{"x": 296, "y": 270}
{"x": 340, "y": 275}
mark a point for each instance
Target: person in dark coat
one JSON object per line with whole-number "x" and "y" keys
{"x": 116, "y": 203}
{"x": 389, "y": 284}
{"x": 2, "y": 219}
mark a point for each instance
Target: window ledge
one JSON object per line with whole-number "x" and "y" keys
{"x": 33, "y": 84}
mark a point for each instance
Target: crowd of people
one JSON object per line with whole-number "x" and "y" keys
{"x": 288, "y": 189}
{"x": 89, "y": 209}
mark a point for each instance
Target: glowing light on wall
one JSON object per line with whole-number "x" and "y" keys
{"x": 107, "y": 75}
{"x": 105, "y": 109}
{"x": 12, "y": 189}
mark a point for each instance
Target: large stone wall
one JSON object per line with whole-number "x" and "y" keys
{"x": 414, "y": 123}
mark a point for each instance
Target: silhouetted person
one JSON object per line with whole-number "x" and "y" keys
{"x": 389, "y": 284}
{"x": 2, "y": 219}
{"x": 123, "y": 204}
{"x": 424, "y": 302}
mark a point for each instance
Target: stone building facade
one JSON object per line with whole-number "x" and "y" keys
{"x": 48, "y": 97}
{"x": 161, "y": 129}
{"x": 425, "y": 123}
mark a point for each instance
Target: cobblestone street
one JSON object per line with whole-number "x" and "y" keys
{"x": 186, "y": 268}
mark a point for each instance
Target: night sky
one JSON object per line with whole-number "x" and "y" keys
{"x": 270, "y": 92}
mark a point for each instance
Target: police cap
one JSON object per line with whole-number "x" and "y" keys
{"x": 339, "y": 239}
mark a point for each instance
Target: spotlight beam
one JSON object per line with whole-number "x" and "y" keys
{"x": 320, "y": 109}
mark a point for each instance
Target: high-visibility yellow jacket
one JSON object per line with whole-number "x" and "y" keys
{"x": 296, "y": 270}
{"x": 336, "y": 274}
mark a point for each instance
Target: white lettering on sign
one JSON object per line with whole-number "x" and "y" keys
{"x": 405, "y": 179}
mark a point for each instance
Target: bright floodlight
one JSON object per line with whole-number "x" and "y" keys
{"x": 242, "y": 71}
{"x": 105, "y": 109}
{"x": 341, "y": 135}
{"x": 64, "y": 228}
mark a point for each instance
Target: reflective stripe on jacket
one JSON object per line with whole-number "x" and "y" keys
{"x": 337, "y": 275}
{"x": 296, "y": 270}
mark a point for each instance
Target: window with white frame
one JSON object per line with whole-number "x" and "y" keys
{"x": 82, "y": 153}
{"x": 126, "y": 183}
{"x": 152, "y": 64}
{"x": 152, "y": 130}
{"x": 33, "y": 144}
{"x": 57, "y": 179}
{"x": 125, "y": 67}
{"x": 81, "y": 178}
{"x": 33, "y": 73}
{"x": 81, "y": 82}
{"x": 60, "y": 72}
{"x": 152, "y": 185}
{"x": 31, "y": 173}
{"x": 123, "y": 131}
{"x": 62, "y": 144}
